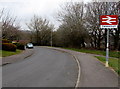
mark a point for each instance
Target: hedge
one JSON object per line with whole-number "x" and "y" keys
{"x": 20, "y": 46}
{"x": 9, "y": 47}
{"x": 5, "y": 41}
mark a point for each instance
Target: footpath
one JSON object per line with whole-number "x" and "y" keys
{"x": 92, "y": 73}
{"x": 11, "y": 59}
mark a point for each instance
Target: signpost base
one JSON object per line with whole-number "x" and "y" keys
{"x": 106, "y": 65}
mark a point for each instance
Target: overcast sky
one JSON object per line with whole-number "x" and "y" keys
{"x": 25, "y": 9}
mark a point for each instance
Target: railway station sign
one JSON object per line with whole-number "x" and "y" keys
{"x": 108, "y": 21}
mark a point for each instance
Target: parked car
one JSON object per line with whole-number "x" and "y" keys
{"x": 29, "y": 45}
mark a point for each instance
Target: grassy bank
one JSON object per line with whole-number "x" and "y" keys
{"x": 114, "y": 63}
{"x": 98, "y": 52}
{"x": 9, "y": 53}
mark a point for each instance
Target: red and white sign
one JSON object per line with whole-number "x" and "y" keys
{"x": 108, "y": 21}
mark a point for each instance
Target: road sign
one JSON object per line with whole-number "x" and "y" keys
{"x": 108, "y": 21}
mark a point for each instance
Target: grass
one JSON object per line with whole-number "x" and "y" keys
{"x": 114, "y": 63}
{"x": 9, "y": 53}
{"x": 98, "y": 52}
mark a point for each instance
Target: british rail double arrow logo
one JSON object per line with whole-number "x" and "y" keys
{"x": 108, "y": 20}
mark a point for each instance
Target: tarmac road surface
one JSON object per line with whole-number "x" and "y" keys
{"x": 45, "y": 68}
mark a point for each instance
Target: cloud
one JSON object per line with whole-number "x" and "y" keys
{"x": 25, "y": 9}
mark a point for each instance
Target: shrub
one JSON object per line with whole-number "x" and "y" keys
{"x": 8, "y": 47}
{"x": 5, "y": 41}
{"x": 20, "y": 46}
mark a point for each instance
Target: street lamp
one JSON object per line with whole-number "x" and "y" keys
{"x": 51, "y": 38}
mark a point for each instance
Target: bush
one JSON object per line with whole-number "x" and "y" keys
{"x": 9, "y": 47}
{"x": 20, "y": 46}
{"x": 5, "y": 41}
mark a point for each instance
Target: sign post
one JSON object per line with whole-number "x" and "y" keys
{"x": 107, "y": 49}
{"x": 108, "y": 22}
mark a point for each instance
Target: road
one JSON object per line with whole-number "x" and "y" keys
{"x": 45, "y": 68}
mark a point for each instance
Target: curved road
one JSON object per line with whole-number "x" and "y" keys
{"x": 45, "y": 68}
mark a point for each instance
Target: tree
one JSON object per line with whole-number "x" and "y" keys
{"x": 10, "y": 30}
{"x": 72, "y": 29}
{"x": 41, "y": 30}
{"x": 93, "y": 12}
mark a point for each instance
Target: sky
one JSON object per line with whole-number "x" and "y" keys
{"x": 26, "y": 9}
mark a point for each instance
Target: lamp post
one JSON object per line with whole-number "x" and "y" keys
{"x": 51, "y": 38}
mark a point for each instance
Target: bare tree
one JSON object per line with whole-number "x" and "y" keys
{"x": 10, "y": 30}
{"x": 93, "y": 12}
{"x": 72, "y": 25}
{"x": 1, "y": 13}
{"x": 41, "y": 29}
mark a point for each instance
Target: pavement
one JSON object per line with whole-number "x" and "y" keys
{"x": 14, "y": 58}
{"x": 93, "y": 73}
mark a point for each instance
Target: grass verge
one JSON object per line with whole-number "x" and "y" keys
{"x": 98, "y": 52}
{"x": 114, "y": 63}
{"x": 9, "y": 53}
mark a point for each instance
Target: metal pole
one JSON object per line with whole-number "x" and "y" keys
{"x": 51, "y": 38}
{"x": 107, "y": 49}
